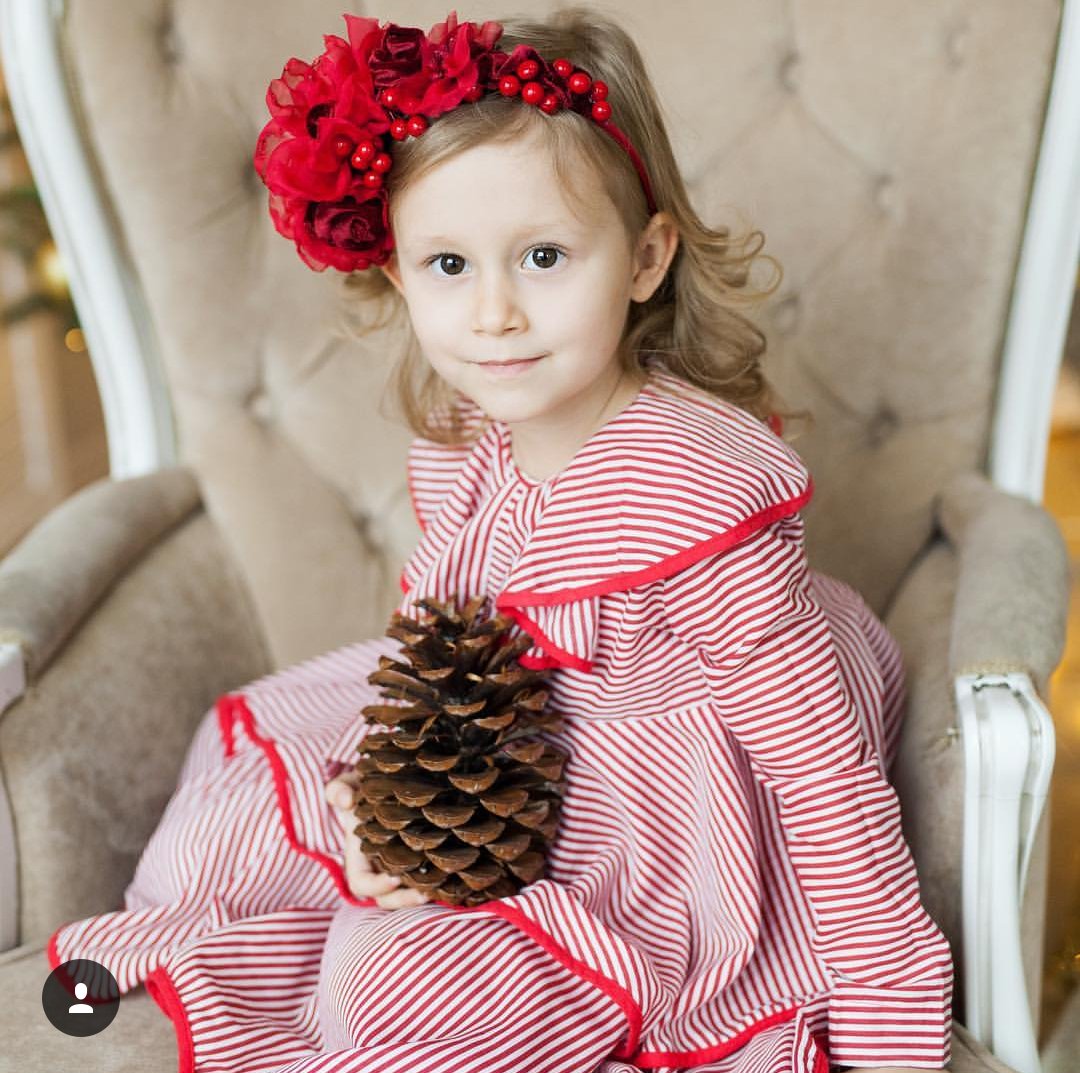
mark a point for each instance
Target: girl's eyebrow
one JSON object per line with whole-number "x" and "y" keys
{"x": 529, "y": 229}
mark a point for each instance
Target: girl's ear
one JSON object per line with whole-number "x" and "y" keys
{"x": 655, "y": 249}
{"x": 390, "y": 270}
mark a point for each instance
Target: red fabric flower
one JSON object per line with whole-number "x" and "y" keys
{"x": 430, "y": 73}
{"x": 399, "y": 51}
{"x": 349, "y": 234}
{"x": 358, "y": 224}
{"x": 320, "y": 112}
{"x": 466, "y": 56}
{"x": 312, "y": 105}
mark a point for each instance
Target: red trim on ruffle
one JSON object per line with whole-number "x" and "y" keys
{"x": 559, "y": 657}
{"x": 507, "y": 599}
{"x": 665, "y": 567}
{"x": 163, "y": 991}
{"x": 543, "y": 663}
{"x": 821, "y": 1056}
{"x": 226, "y": 719}
{"x": 495, "y": 907}
{"x": 556, "y": 657}
{"x": 611, "y": 988}
{"x": 711, "y": 1054}
{"x": 284, "y": 803}
{"x": 50, "y": 948}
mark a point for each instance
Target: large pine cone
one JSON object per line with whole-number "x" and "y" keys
{"x": 460, "y": 798}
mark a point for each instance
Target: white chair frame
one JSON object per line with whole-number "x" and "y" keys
{"x": 1006, "y": 730}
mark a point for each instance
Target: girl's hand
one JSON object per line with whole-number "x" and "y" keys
{"x": 360, "y": 874}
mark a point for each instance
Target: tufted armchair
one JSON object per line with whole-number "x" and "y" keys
{"x": 910, "y": 165}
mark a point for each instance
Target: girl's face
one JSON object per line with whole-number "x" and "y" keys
{"x": 493, "y": 265}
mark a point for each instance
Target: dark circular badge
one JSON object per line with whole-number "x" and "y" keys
{"x": 80, "y": 997}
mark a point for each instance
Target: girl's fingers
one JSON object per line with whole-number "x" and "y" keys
{"x": 401, "y": 899}
{"x": 361, "y": 873}
{"x": 341, "y": 790}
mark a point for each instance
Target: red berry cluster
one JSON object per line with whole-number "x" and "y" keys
{"x": 372, "y": 164}
{"x": 366, "y": 158}
{"x": 578, "y": 82}
{"x": 366, "y": 155}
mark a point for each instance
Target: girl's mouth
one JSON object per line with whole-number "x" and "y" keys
{"x": 502, "y": 369}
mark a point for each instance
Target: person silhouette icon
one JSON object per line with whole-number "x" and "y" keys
{"x": 95, "y": 980}
{"x": 80, "y": 1006}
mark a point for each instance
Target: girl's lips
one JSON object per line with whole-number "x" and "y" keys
{"x": 510, "y": 368}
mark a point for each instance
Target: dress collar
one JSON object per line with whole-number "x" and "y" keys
{"x": 675, "y": 476}
{"x": 670, "y": 479}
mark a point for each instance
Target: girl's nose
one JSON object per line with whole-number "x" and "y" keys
{"x": 496, "y": 306}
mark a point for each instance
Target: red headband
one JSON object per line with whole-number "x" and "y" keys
{"x": 324, "y": 152}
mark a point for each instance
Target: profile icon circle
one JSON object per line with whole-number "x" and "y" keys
{"x": 80, "y": 997}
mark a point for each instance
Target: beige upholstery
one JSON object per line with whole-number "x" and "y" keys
{"x": 91, "y": 754}
{"x": 885, "y": 149}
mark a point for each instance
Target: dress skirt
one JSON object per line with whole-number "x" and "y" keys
{"x": 239, "y": 922}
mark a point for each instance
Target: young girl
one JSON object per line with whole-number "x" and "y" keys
{"x": 729, "y": 890}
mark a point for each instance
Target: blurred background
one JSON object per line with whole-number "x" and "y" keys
{"x": 52, "y": 442}
{"x": 52, "y": 433}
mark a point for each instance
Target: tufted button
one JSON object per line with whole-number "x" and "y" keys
{"x": 786, "y": 315}
{"x": 790, "y": 71}
{"x": 886, "y": 196}
{"x": 261, "y": 407}
{"x": 168, "y": 39}
{"x": 957, "y": 42}
{"x": 882, "y": 425}
{"x": 249, "y": 177}
{"x": 375, "y": 531}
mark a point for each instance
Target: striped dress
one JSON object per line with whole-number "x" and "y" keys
{"x": 728, "y": 891}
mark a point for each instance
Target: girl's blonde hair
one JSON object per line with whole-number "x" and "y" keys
{"x": 692, "y": 322}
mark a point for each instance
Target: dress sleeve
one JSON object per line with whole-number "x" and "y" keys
{"x": 768, "y": 657}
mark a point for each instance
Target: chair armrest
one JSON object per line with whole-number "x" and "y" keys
{"x": 1012, "y": 590}
{"x": 53, "y": 577}
{"x": 980, "y": 618}
{"x": 134, "y": 620}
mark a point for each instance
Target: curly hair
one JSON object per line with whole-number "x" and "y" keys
{"x": 693, "y": 322}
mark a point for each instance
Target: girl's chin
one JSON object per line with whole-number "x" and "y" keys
{"x": 509, "y": 406}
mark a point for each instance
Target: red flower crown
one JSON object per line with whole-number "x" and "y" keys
{"x": 327, "y": 146}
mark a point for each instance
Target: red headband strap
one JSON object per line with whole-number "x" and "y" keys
{"x": 328, "y": 143}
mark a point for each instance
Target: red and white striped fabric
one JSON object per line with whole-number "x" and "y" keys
{"x": 729, "y": 890}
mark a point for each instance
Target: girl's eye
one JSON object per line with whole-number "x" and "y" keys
{"x": 447, "y": 261}
{"x": 444, "y": 259}
{"x": 551, "y": 255}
